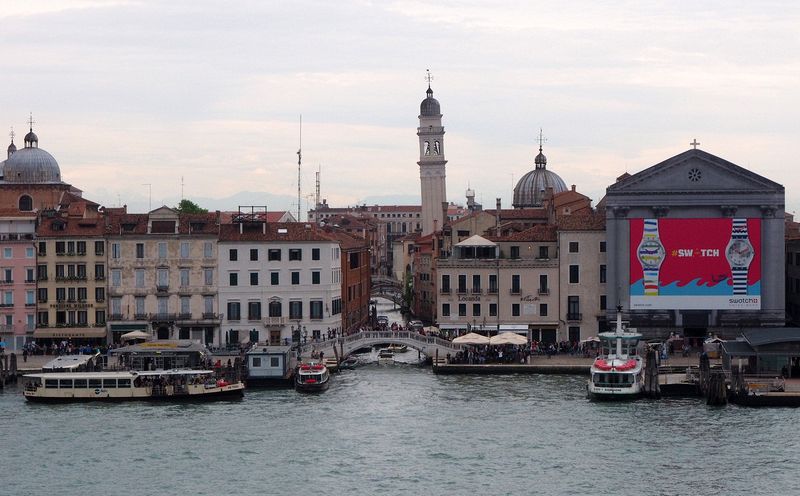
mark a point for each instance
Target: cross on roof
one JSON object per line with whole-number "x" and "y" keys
{"x": 541, "y": 139}
{"x": 31, "y": 122}
{"x": 694, "y": 143}
{"x": 428, "y": 77}
{"x": 12, "y": 134}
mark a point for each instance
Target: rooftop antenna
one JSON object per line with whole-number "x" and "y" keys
{"x": 150, "y": 196}
{"x": 182, "y": 197}
{"x": 299, "y": 162}
{"x": 316, "y": 198}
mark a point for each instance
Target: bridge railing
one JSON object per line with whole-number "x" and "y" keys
{"x": 354, "y": 340}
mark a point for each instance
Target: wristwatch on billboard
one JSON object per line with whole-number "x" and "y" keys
{"x": 739, "y": 253}
{"x": 651, "y": 254}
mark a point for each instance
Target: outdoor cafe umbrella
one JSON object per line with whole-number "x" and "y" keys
{"x": 593, "y": 339}
{"x": 508, "y": 338}
{"x": 471, "y": 338}
{"x": 130, "y": 336}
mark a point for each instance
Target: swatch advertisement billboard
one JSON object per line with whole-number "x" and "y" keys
{"x": 695, "y": 264}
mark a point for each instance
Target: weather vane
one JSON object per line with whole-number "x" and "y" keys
{"x": 31, "y": 122}
{"x": 428, "y": 77}
{"x": 541, "y": 139}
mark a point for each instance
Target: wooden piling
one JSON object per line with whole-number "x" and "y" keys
{"x": 12, "y": 368}
{"x": 717, "y": 389}
{"x": 652, "y": 388}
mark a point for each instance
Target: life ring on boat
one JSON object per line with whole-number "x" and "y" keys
{"x": 305, "y": 366}
{"x": 627, "y": 365}
{"x": 602, "y": 364}
{"x": 222, "y": 383}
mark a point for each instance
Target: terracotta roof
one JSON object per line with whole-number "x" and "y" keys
{"x": 346, "y": 241}
{"x": 276, "y": 231}
{"x": 519, "y": 213}
{"x": 57, "y": 226}
{"x": 136, "y": 224}
{"x": 271, "y": 216}
{"x": 542, "y": 232}
{"x": 13, "y": 212}
{"x": 594, "y": 221}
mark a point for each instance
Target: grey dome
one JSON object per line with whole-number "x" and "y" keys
{"x": 12, "y": 148}
{"x": 31, "y": 165}
{"x": 531, "y": 187}
{"x": 430, "y": 106}
{"x": 31, "y": 138}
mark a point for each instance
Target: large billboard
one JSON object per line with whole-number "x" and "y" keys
{"x": 695, "y": 264}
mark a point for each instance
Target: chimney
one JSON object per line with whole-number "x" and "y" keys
{"x": 497, "y": 217}
{"x": 573, "y": 187}
{"x": 445, "y": 208}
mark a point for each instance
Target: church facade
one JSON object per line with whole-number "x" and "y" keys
{"x": 696, "y": 246}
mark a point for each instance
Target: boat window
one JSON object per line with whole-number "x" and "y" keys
{"x": 109, "y": 383}
{"x": 95, "y": 383}
{"x": 51, "y": 383}
{"x": 256, "y": 361}
{"x": 124, "y": 383}
{"x": 274, "y": 362}
{"x": 80, "y": 383}
{"x": 65, "y": 383}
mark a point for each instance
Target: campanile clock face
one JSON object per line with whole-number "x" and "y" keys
{"x": 651, "y": 253}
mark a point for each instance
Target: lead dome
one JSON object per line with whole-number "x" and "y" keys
{"x": 31, "y": 164}
{"x": 531, "y": 187}
{"x": 430, "y": 106}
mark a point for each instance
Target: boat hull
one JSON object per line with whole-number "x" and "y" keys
{"x": 232, "y": 392}
{"x": 613, "y": 394}
{"x": 316, "y": 387}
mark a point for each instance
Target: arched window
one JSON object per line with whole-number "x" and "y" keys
{"x": 25, "y": 203}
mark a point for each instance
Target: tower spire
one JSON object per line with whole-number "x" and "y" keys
{"x": 12, "y": 134}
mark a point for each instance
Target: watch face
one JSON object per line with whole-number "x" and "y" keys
{"x": 740, "y": 253}
{"x": 651, "y": 254}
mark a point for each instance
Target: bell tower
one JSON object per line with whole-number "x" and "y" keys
{"x": 431, "y": 162}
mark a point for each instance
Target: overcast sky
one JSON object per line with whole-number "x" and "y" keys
{"x": 128, "y": 93}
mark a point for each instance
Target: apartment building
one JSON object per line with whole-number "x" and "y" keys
{"x": 17, "y": 277}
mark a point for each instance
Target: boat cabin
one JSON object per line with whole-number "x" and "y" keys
{"x": 312, "y": 373}
{"x": 764, "y": 351}
{"x": 162, "y": 355}
{"x": 269, "y": 362}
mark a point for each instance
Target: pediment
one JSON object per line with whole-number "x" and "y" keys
{"x": 163, "y": 212}
{"x": 695, "y": 171}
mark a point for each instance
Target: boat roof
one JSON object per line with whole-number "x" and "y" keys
{"x": 163, "y": 345}
{"x": 263, "y": 349}
{"x": 623, "y": 335}
{"x": 117, "y": 375}
{"x": 68, "y": 362}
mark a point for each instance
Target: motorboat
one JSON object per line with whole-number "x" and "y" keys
{"x": 312, "y": 377}
{"x": 349, "y": 363}
{"x": 385, "y": 355}
{"x": 397, "y": 348}
{"x": 154, "y": 385}
{"x": 618, "y": 372}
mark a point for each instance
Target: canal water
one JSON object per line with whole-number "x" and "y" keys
{"x": 400, "y": 430}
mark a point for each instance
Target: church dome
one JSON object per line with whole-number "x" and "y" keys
{"x": 430, "y": 106}
{"x": 531, "y": 187}
{"x": 31, "y": 165}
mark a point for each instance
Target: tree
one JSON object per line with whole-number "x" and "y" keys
{"x": 190, "y": 207}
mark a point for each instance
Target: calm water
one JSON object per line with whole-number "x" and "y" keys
{"x": 400, "y": 429}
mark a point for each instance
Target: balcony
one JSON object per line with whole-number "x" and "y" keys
{"x": 6, "y": 305}
{"x": 515, "y": 291}
{"x": 162, "y": 317}
{"x": 100, "y": 278}
{"x": 30, "y": 281}
{"x": 544, "y": 291}
{"x": 210, "y": 316}
{"x": 477, "y": 291}
{"x": 462, "y": 290}
{"x": 444, "y": 291}
{"x": 162, "y": 288}
{"x": 574, "y": 316}
{"x": 184, "y": 316}
{"x": 6, "y": 281}
{"x": 140, "y": 316}
{"x": 115, "y": 316}
{"x": 99, "y": 253}
{"x": 491, "y": 291}
{"x": 275, "y": 321}
{"x": 30, "y": 305}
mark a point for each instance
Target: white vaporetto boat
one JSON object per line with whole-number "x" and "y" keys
{"x": 156, "y": 385}
{"x": 617, "y": 373}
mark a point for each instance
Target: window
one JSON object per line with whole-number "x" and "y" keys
{"x": 573, "y": 247}
{"x": 515, "y": 289}
{"x": 99, "y": 272}
{"x": 253, "y": 254}
{"x": 514, "y": 252}
{"x": 602, "y": 247}
{"x": 82, "y": 294}
{"x": 81, "y": 247}
{"x": 185, "y": 305}
{"x": 162, "y": 278}
{"x": 208, "y": 249}
{"x": 234, "y": 310}
{"x": 602, "y": 273}
{"x": 574, "y": 274}
{"x": 275, "y": 309}
{"x": 30, "y": 297}
{"x": 493, "y": 309}
{"x": 42, "y": 248}
{"x": 116, "y": 306}
{"x": 543, "y": 252}
{"x": 25, "y": 203}
{"x": 185, "y": 249}
{"x": 162, "y": 303}
{"x": 314, "y": 253}
{"x": 445, "y": 283}
{"x": 462, "y": 309}
{"x": 295, "y": 254}
{"x": 59, "y": 271}
{"x": 602, "y": 302}
{"x": 116, "y": 278}
{"x": 184, "y": 278}
{"x": 295, "y": 278}
{"x": 574, "y": 334}
{"x": 445, "y": 309}
{"x": 115, "y": 250}
{"x": 493, "y": 283}
{"x": 208, "y": 276}
{"x": 316, "y": 309}
{"x": 274, "y": 254}
{"x": 336, "y": 306}
{"x": 162, "y": 250}
{"x": 254, "y": 310}
{"x": 274, "y": 278}
{"x": 100, "y": 294}
{"x": 462, "y": 283}
{"x": 7, "y": 253}
{"x": 476, "y": 283}
{"x": 29, "y": 252}
{"x": 543, "y": 309}
{"x": 355, "y": 260}
{"x": 139, "y": 277}
{"x": 42, "y": 295}
{"x": 295, "y": 309}
{"x": 99, "y": 248}
{"x": 573, "y": 308}
{"x": 233, "y": 279}
{"x": 7, "y": 275}
{"x": 476, "y": 309}
{"x": 99, "y": 317}
{"x": 254, "y": 278}
{"x": 140, "y": 250}
{"x": 61, "y": 294}
{"x": 208, "y": 305}
{"x": 43, "y": 319}
{"x": 315, "y": 277}
{"x": 29, "y": 277}
{"x": 233, "y": 254}
{"x": 515, "y": 309}
{"x": 543, "y": 287}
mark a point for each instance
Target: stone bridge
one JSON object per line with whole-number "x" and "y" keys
{"x": 427, "y": 345}
{"x": 389, "y": 288}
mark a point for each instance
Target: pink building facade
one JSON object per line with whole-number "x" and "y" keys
{"x": 17, "y": 278}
